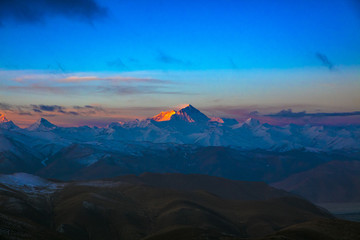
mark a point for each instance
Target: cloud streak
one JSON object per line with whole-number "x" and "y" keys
{"x": 43, "y": 82}
{"x": 51, "y": 110}
{"x": 35, "y": 11}
{"x": 77, "y": 79}
{"x": 324, "y": 60}
{"x": 165, "y": 58}
{"x": 99, "y": 90}
{"x": 288, "y": 113}
{"x": 117, "y": 63}
{"x": 130, "y": 90}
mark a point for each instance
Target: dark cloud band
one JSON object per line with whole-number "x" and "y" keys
{"x": 325, "y": 60}
{"x": 26, "y": 11}
{"x": 46, "y": 110}
{"x": 288, "y": 113}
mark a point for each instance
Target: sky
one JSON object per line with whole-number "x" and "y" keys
{"x": 92, "y": 62}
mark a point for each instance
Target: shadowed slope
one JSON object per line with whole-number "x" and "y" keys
{"x": 335, "y": 181}
{"x": 150, "y": 206}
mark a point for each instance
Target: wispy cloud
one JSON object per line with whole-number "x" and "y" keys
{"x": 356, "y": 4}
{"x": 324, "y": 60}
{"x": 130, "y": 90}
{"x": 40, "y": 88}
{"x": 288, "y": 113}
{"x": 233, "y": 65}
{"x": 87, "y": 107}
{"x": 75, "y": 79}
{"x": 5, "y": 106}
{"x": 80, "y": 89}
{"x": 118, "y": 64}
{"x": 44, "y": 76}
{"x": 230, "y": 111}
{"x": 166, "y": 58}
{"x": 50, "y": 110}
{"x": 83, "y": 83}
{"x": 39, "y": 10}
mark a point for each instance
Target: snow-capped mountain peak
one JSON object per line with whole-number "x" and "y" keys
{"x": 3, "y": 119}
{"x": 252, "y": 122}
{"x": 42, "y": 125}
{"x": 187, "y": 114}
{"x": 190, "y": 114}
{"x": 6, "y": 124}
{"x": 164, "y": 116}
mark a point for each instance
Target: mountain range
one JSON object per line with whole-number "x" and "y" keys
{"x": 164, "y": 178}
{"x": 190, "y": 126}
{"x": 299, "y": 159}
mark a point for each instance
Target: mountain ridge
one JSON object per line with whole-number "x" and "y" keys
{"x": 41, "y": 125}
{"x": 190, "y": 126}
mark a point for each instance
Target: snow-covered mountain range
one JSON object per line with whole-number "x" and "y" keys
{"x": 190, "y": 126}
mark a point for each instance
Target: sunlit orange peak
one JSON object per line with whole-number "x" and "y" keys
{"x": 164, "y": 116}
{"x": 3, "y": 118}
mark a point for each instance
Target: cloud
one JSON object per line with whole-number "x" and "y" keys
{"x": 76, "y": 79}
{"x": 288, "y": 113}
{"x": 25, "y": 113}
{"x": 87, "y": 89}
{"x": 26, "y": 11}
{"x": 51, "y": 110}
{"x": 233, "y": 65}
{"x": 130, "y": 90}
{"x": 356, "y": 4}
{"x": 89, "y": 110}
{"x": 87, "y": 107}
{"x": 39, "y": 88}
{"x": 230, "y": 111}
{"x": 5, "y": 106}
{"x": 134, "y": 60}
{"x": 165, "y": 58}
{"x": 324, "y": 60}
{"x": 117, "y": 63}
{"x": 60, "y": 67}
{"x": 73, "y": 113}
{"x": 85, "y": 83}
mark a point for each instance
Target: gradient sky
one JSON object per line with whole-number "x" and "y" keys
{"x": 92, "y": 62}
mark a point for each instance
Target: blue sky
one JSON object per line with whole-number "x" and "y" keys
{"x": 259, "y": 55}
{"x": 200, "y": 34}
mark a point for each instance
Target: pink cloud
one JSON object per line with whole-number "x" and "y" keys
{"x": 78, "y": 79}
